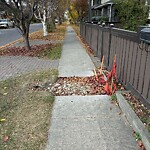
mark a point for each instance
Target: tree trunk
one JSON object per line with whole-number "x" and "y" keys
{"x": 26, "y": 41}
{"x": 53, "y": 20}
{"x": 45, "y": 32}
{"x": 44, "y": 22}
{"x": 25, "y": 35}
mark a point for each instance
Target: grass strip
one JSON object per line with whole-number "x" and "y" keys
{"x": 53, "y": 53}
{"x": 24, "y": 113}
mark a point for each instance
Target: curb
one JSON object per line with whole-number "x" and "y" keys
{"x": 133, "y": 119}
{"x": 13, "y": 42}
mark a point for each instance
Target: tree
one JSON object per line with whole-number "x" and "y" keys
{"x": 78, "y": 10}
{"x": 131, "y": 13}
{"x": 44, "y": 12}
{"x": 62, "y": 7}
{"x": 22, "y": 12}
{"x": 82, "y": 9}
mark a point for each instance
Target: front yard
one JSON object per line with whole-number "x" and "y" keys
{"x": 25, "y": 113}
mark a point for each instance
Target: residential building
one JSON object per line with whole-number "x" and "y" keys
{"x": 103, "y": 11}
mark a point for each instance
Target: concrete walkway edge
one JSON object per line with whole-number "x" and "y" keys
{"x": 133, "y": 119}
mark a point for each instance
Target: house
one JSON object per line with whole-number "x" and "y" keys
{"x": 103, "y": 11}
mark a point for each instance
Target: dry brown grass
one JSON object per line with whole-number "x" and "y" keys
{"x": 77, "y": 29}
{"x": 56, "y": 35}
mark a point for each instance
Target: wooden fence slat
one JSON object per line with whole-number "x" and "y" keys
{"x": 99, "y": 44}
{"x": 94, "y": 39}
{"x": 133, "y": 64}
{"x": 126, "y": 62}
{"x": 146, "y": 91}
{"x": 123, "y": 60}
{"x": 137, "y": 68}
{"x": 130, "y": 61}
{"x": 142, "y": 72}
{"x": 121, "y": 44}
{"x": 111, "y": 50}
{"x": 105, "y": 47}
{"x": 118, "y": 55}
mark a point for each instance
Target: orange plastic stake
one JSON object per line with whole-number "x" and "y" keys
{"x": 95, "y": 74}
{"x": 107, "y": 89}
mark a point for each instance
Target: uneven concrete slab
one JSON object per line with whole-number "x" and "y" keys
{"x": 88, "y": 123}
{"x": 74, "y": 60}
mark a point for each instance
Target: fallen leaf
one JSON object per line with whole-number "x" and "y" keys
{"x": 119, "y": 113}
{"x": 5, "y": 138}
{"x": 2, "y": 120}
{"x": 5, "y": 94}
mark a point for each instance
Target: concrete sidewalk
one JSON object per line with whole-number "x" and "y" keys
{"x": 74, "y": 61}
{"x": 85, "y": 122}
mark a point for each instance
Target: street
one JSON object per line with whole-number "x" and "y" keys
{"x": 10, "y": 35}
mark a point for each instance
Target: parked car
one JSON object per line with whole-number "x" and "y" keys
{"x": 6, "y": 23}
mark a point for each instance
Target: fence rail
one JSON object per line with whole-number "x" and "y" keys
{"x": 133, "y": 68}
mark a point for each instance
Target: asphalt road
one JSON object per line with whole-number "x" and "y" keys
{"x": 10, "y": 35}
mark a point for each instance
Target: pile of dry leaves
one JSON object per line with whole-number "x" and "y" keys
{"x": 23, "y": 51}
{"x": 103, "y": 82}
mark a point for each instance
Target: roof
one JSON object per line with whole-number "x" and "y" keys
{"x": 102, "y": 5}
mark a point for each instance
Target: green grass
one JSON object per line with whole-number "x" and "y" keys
{"x": 114, "y": 97}
{"x": 138, "y": 136}
{"x": 52, "y": 54}
{"x": 55, "y": 52}
{"x": 26, "y": 112}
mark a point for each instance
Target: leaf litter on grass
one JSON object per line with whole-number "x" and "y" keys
{"x": 26, "y": 112}
{"x": 54, "y": 38}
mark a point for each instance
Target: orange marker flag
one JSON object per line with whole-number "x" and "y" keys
{"x": 114, "y": 74}
{"x": 107, "y": 88}
{"x": 113, "y": 70}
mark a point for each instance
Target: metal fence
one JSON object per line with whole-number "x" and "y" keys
{"x": 133, "y": 68}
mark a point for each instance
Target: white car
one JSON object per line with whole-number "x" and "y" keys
{"x": 6, "y": 23}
